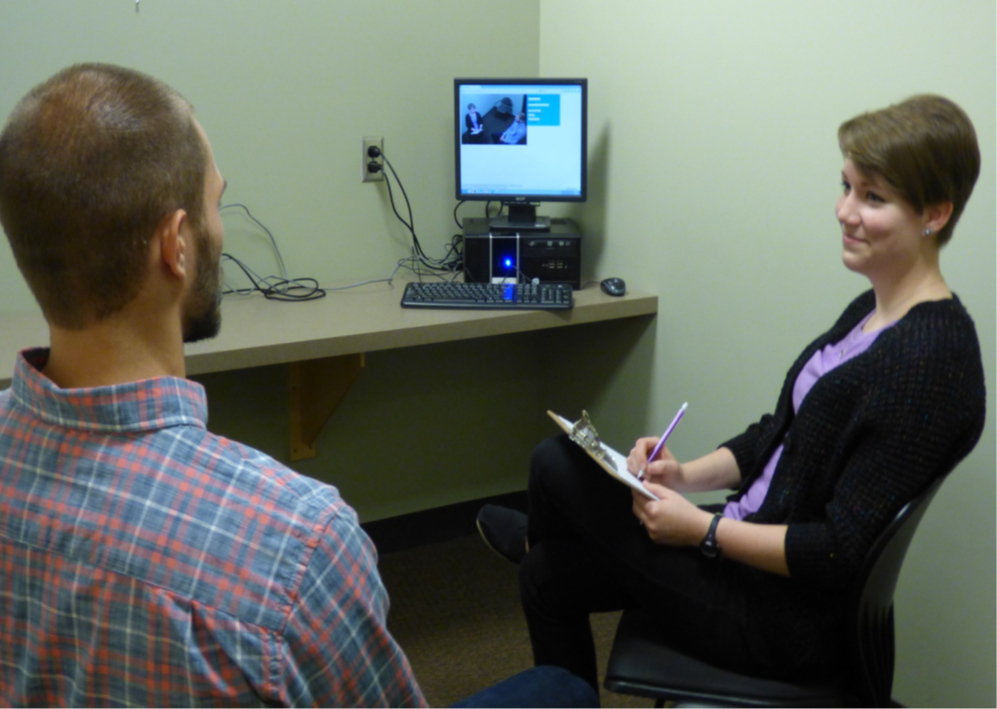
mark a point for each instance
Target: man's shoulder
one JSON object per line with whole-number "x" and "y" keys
{"x": 246, "y": 466}
{"x": 280, "y": 500}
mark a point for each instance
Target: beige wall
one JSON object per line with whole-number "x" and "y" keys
{"x": 713, "y": 176}
{"x": 715, "y": 173}
{"x": 286, "y": 91}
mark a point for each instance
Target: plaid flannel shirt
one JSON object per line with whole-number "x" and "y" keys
{"x": 146, "y": 562}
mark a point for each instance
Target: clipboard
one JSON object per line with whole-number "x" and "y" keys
{"x": 583, "y": 433}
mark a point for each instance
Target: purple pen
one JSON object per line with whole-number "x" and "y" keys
{"x": 664, "y": 437}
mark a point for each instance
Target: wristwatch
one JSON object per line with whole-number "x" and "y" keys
{"x": 709, "y": 545}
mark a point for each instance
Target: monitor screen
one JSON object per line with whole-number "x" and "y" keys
{"x": 521, "y": 140}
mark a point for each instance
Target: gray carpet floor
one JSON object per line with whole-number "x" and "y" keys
{"x": 455, "y": 611}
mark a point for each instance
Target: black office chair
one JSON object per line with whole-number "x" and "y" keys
{"x": 641, "y": 662}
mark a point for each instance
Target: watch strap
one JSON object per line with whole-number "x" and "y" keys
{"x": 709, "y": 546}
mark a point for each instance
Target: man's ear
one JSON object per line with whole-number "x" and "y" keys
{"x": 173, "y": 243}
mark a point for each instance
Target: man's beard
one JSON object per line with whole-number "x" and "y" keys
{"x": 202, "y": 317}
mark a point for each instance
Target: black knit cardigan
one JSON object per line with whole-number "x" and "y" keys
{"x": 869, "y": 436}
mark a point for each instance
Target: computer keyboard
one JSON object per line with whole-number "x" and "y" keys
{"x": 489, "y": 296}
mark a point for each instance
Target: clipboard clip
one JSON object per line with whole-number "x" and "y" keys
{"x": 584, "y": 434}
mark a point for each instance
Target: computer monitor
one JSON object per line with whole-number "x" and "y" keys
{"x": 519, "y": 142}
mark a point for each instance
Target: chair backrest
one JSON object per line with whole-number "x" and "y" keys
{"x": 871, "y": 639}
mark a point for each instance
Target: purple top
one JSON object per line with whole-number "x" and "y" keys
{"x": 854, "y": 343}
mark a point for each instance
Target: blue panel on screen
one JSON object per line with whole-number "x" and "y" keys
{"x": 543, "y": 110}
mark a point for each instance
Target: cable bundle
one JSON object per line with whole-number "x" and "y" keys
{"x": 272, "y": 287}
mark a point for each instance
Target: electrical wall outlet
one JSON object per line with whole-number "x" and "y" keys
{"x": 369, "y": 175}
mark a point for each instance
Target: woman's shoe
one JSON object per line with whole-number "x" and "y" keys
{"x": 504, "y": 531}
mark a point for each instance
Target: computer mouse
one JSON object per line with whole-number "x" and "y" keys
{"x": 614, "y": 286}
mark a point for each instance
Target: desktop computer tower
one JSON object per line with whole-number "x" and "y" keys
{"x": 498, "y": 255}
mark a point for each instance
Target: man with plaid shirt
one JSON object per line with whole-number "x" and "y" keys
{"x": 143, "y": 560}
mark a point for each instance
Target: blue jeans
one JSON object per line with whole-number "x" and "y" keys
{"x": 544, "y": 686}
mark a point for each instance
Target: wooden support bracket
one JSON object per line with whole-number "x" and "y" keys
{"x": 317, "y": 387}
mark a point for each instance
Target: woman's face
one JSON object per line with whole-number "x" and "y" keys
{"x": 881, "y": 232}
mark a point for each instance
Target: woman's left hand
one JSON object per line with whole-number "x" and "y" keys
{"x": 672, "y": 519}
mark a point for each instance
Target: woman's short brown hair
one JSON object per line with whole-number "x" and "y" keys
{"x": 91, "y": 161}
{"x": 924, "y": 147}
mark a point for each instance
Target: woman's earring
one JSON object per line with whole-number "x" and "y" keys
{"x": 928, "y": 232}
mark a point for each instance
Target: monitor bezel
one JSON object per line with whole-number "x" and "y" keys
{"x": 523, "y": 198}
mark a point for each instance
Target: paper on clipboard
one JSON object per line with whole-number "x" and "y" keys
{"x": 608, "y": 459}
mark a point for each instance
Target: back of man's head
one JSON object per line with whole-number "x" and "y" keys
{"x": 90, "y": 162}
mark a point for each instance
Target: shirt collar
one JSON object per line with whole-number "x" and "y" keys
{"x": 147, "y": 405}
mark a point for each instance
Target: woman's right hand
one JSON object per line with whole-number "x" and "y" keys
{"x": 714, "y": 471}
{"x": 663, "y": 470}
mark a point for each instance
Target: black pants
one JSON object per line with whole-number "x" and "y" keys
{"x": 589, "y": 554}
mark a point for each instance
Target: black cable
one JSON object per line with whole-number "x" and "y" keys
{"x": 487, "y": 205}
{"x": 391, "y": 196}
{"x": 408, "y": 205}
{"x": 420, "y": 262}
{"x": 273, "y": 288}
{"x": 261, "y": 225}
{"x": 411, "y": 221}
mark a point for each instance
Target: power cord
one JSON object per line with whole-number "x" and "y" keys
{"x": 419, "y": 262}
{"x": 272, "y": 287}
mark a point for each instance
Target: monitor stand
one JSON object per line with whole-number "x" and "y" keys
{"x": 522, "y": 217}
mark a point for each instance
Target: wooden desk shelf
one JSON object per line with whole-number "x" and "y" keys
{"x": 324, "y": 341}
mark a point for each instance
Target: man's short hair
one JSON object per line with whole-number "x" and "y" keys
{"x": 924, "y": 147}
{"x": 91, "y": 161}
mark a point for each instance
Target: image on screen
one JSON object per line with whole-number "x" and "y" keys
{"x": 521, "y": 139}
